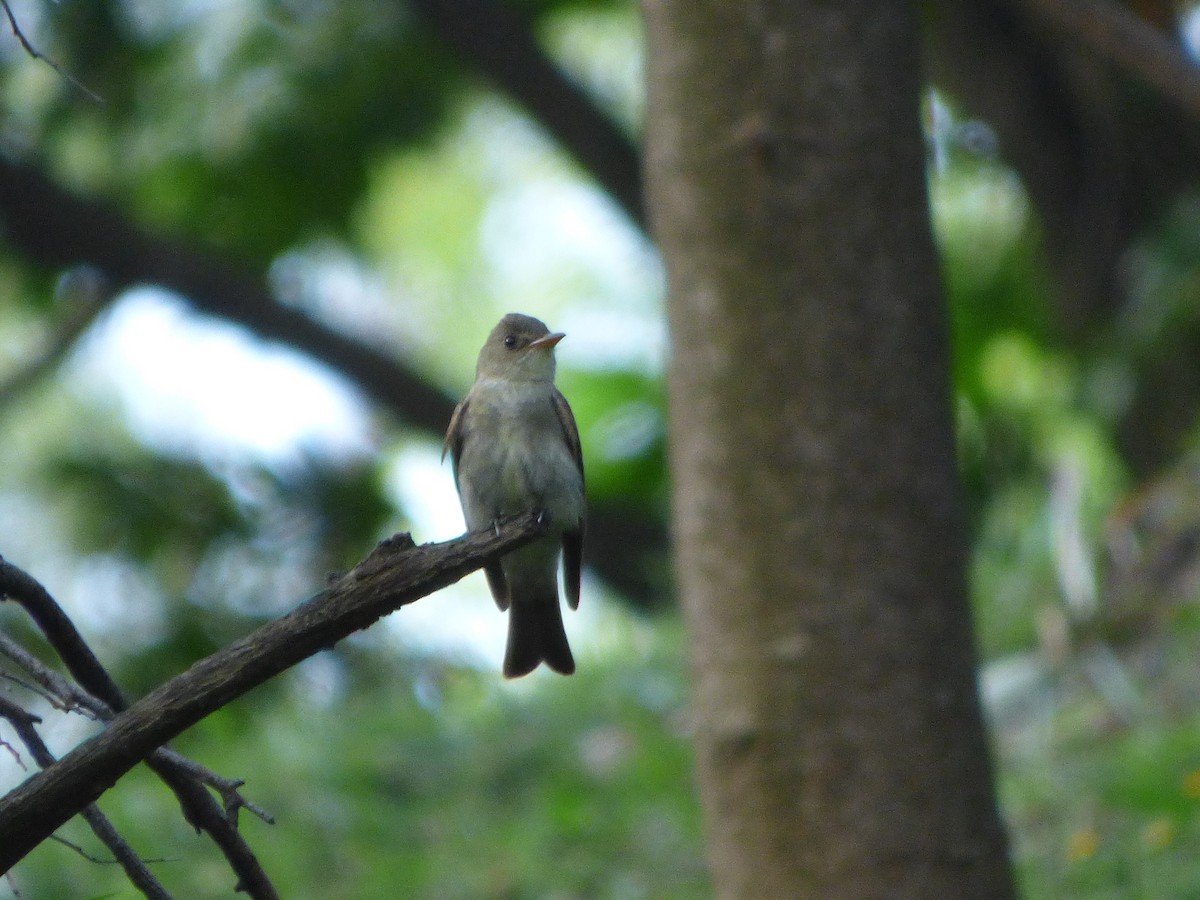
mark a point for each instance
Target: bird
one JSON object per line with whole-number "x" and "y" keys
{"x": 514, "y": 448}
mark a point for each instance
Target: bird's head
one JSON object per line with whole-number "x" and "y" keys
{"x": 519, "y": 348}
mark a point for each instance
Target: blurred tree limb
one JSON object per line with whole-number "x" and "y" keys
{"x": 1120, "y": 36}
{"x": 495, "y": 40}
{"x": 1095, "y": 130}
{"x": 1098, "y": 168}
{"x": 1100, "y": 153}
{"x": 88, "y": 297}
{"x": 396, "y": 573}
{"x": 55, "y": 228}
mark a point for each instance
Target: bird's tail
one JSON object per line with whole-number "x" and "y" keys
{"x": 535, "y": 635}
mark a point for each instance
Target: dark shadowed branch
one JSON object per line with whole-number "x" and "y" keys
{"x": 102, "y": 697}
{"x": 499, "y": 43}
{"x": 397, "y": 572}
{"x": 55, "y": 228}
{"x": 1104, "y": 153}
{"x": 62, "y": 693}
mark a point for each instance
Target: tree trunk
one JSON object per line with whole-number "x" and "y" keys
{"x": 820, "y": 537}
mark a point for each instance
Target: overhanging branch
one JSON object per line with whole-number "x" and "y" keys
{"x": 55, "y": 228}
{"x": 499, "y": 43}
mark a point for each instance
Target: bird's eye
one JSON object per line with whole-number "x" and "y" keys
{"x": 510, "y": 341}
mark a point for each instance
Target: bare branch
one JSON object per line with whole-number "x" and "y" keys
{"x": 64, "y": 695}
{"x": 48, "y": 684}
{"x": 60, "y": 631}
{"x": 199, "y": 808}
{"x": 396, "y": 573}
{"x": 98, "y": 860}
{"x": 30, "y": 686}
{"x": 226, "y": 788}
{"x": 15, "y": 753}
{"x": 42, "y": 57}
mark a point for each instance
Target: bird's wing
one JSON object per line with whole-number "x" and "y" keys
{"x": 572, "y": 539}
{"x": 456, "y": 435}
{"x": 572, "y": 542}
{"x": 570, "y": 430}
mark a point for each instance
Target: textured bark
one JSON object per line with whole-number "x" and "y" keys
{"x": 820, "y": 539}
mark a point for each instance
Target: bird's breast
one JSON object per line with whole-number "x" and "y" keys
{"x": 516, "y": 458}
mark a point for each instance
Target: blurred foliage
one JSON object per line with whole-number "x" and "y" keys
{"x": 416, "y": 778}
{"x": 388, "y": 192}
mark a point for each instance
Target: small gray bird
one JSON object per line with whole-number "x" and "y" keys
{"x": 515, "y": 448}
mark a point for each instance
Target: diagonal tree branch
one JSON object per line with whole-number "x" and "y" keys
{"x": 199, "y": 807}
{"x": 37, "y": 54}
{"x": 60, "y": 631}
{"x": 56, "y": 228}
{"x": 62, "y": 693}
{"x": 396, "y": 573}
{"x": 499, "y": 43}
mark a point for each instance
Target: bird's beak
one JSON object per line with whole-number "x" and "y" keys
{"x": 548, "y": 341}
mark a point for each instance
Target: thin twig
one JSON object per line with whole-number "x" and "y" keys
{"x": 32, "y": 688}
{"x": 42, "y": 57}
{"x": 16, "y": 754}
{"x": 100, "y": 860}
{"x": 226, "y": 788}
{"x": 50, "y": 685}
{"x": 135, "y": 867}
